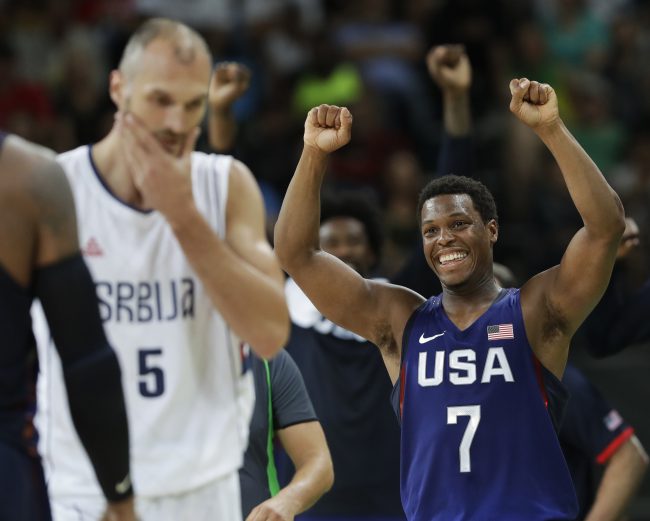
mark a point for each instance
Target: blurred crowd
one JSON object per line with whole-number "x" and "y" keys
{"x": 55, "y": 57}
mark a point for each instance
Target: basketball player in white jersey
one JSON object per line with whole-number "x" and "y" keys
{"x": 186, "y": 281}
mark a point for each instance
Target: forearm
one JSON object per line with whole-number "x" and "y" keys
{"x": 297, "y": 228}
{"x": 598, "y": 205}
{"x": 309, "y": 483}
{"x": 622, "y": 477}
{"x": 250, "y": 300}
{"x": 222, "y": 129}
{"x": 457, "y": 115}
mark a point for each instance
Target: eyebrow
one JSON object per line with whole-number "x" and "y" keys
{"x": 157, "y": 91}
{"x": 450, "y": 216}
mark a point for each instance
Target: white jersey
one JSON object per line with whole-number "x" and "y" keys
{"x": 188, "y": 395}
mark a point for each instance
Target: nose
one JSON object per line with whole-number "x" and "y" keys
{"x": 176, "y": 119}
{"x": 445, "y": 237}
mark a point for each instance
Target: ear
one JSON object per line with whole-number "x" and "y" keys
{"x": 116, "y": 86}
{"x": 493, "y": 231}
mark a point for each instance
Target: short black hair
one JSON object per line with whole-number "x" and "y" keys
{"x": 458, "y": 184}
{"x": 357, "y": 205}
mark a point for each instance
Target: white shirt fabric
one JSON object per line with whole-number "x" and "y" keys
{"x": 188, "y": 394}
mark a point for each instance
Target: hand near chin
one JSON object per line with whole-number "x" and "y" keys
{"x": 328, "y": 128}
{"x": 163, "y": 179}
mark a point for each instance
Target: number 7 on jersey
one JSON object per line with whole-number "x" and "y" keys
{"x": 474, "y": 413}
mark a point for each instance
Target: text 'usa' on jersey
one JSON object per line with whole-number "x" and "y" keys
{"x": 477, "y": 439}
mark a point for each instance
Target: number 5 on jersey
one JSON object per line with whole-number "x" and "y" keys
{"x": 474, "y": 413}
{"x": 152, "y": 377}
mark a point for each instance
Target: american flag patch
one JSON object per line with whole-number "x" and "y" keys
{"x": 500, "y": 332}
{"x": 613, "y": 420}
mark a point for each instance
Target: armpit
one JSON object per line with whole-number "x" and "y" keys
{"x": 554, "y": 323}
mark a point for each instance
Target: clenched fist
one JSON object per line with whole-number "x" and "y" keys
{"x": 449, "y": 67}
{"x": 328, "y": 128}
{"x": 534, "y": 103}
{"x": 229, "y": 82}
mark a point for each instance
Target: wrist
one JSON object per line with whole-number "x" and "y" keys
{"x": 220, "y": 110}
{"x": 550, "y": 129}
{"x": 314, "y": 153}
{"x": 183, "y": 218}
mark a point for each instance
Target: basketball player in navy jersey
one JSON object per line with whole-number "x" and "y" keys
{"x": 477, "y": 440}
{"x": 39, "y": 257}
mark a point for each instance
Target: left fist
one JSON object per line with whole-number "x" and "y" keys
{"x": 229, "y": 82}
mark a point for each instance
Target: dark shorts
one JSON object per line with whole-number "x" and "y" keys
{"x": 23, "y": 494}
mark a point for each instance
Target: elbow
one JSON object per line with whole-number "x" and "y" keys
{"x": 328, "y": 474}
{"x": 274, "y": 338}
{"x": 618, "y": 219}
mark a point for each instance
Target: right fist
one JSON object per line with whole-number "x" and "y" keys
{"x": 229, "y": 82}
{"x": 328, "y": 128}
{"x": 449, "y": 67}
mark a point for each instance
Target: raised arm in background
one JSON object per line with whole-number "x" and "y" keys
{"x": 229, "y": 82}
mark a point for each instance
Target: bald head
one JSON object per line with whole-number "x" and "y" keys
{"x": 186, "y": 43}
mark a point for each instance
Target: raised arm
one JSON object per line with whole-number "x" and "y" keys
{"x": 557, "y": 301}
{"x": 374, "y": 310}
{"x": 240, "y": 273}
{"x": 229, "y": 83}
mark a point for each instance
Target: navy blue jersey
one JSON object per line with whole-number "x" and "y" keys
{"x": 478, "y": 442}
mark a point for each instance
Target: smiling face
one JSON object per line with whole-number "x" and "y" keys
{"x": 457, "y": 243}
{"x": 166, "y": 89}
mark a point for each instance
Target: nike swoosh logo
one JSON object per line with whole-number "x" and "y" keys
{"x": 123, "y": 485}
{"x": 425, "y": 339}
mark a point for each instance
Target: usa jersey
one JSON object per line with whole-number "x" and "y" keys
{"x": 477, "y": 440}
{"x": 188, "y": 396}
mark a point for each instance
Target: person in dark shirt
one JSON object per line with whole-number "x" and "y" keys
{"x": 283, "y": 411}
{"x": 39, "y": 258}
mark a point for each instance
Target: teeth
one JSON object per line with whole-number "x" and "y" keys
{"x": 452, "y": 257}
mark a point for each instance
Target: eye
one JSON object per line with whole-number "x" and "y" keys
{"x": 194, "y": 105}
{"x": 458, "y": 224}
{"x": 429, "y": 231}
{"x": 162, "y": 101}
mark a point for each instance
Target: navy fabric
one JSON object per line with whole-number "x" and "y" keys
{"x": 477, "y": 439}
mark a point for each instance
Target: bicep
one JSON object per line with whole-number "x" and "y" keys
{"x": 571, "y": 290}
{"x": 245, "y": 222}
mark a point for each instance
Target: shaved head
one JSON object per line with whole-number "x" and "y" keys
{"x": 186, "y": 42}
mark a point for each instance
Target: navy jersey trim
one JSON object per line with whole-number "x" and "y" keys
{"x": 399, "y": 385}
{"x": 108, "y": 188}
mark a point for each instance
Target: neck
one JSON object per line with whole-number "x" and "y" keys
{"x": 112, "y": 167}
{"x": 471, "y": 297}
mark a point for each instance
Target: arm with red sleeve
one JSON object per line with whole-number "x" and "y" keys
{"x": 593, "y": 434}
